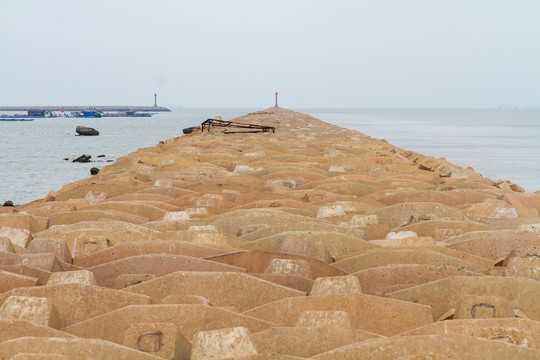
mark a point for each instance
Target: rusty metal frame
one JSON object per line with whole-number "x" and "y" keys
{"x": 250, "y": 128}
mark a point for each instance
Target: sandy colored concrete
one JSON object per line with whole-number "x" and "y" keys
{"x": 515, "y": 331}
{"x": 76, "y": 302}
{"x": 205, "y": 283}
{"x": 305, "y": 341}
{"x": 188, "y": 318}
{"x": 447, "y": 346}
{"x": 445, "y": 294}
{"x": 313, "y": 241}
{"x": 286, "y": 312}
{"x": 69, "y": 348}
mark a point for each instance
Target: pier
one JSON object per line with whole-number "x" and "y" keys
{"x": 124, "y": 108}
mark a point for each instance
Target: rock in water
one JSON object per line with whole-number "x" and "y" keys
{"x": 83, "y": 158}
{"x": 94, "y": 171}
{"x": 8, "y": 203}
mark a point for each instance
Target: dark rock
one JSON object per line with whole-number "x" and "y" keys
{"x": 66, "y": 159}
{"x": 101, "y": 156}
{"x": 189, "y": 130}
{"x": 110, "y": 160}
{"x": 8, "y": 203}
{"x": 94, "y": 171}
{"x": 83, "y": 159}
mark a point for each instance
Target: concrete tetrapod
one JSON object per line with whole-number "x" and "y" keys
{"x": 154, "y": 264}
{"x": 71, "y": 348}
{"x": 130, "y": 207}
{"x": 367, "y": 312}
{"x": 9, "y": 280}
{"x": 384, "y": 279}
{"x": 12, "y": 329}
{"x": 31, "y": 223}
{"x": 441, "y": 230}
{"x": 42, "y": 276}
{"x": 259, "y": 261}
{"x": 515, "y": 331}
{"x": 76, "y": 302}
{"x": 448, "y": 346}
{"x": 72, "y": 217}
{"x": 134, "y": 248}
{"x": 306, "y": 341}
{"x": 335, "y": 244}
{"x": 382, "y": 257}
{"x": 188, "y": 318}
{"x": 493, "y": 244}
{"x": 443, "y": 295}
{"x": 220, "y": 288}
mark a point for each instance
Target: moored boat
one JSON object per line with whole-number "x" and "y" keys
{"x": 87, "y": 131}
{"x": 16, "y": 119}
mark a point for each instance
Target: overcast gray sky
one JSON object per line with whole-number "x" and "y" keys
{"x": 237, "y": 53}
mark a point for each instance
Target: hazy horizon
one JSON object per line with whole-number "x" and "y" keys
{"x": 211, "y": 54}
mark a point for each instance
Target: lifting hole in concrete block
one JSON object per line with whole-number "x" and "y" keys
{"x": 482, "y": 311}
{"x": 483, "y": 307}
{"x": 159, "y": 339}
{"x": 150, "y": 342}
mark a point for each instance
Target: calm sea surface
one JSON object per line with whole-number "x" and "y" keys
{"x": 500, "y": 144}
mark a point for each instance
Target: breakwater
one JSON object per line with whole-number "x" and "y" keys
{"x": 314, "y": 241}
{"x": 123, "y": 108}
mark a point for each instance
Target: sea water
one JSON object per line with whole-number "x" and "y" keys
{"x": 500, "y": 144}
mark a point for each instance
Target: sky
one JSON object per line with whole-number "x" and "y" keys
{"x": 237, "y": 53}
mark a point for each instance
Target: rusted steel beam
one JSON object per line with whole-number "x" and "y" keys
{"x": 250, "y": 128}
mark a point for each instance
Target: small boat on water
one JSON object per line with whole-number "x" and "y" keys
{"x": 87, "y": 131}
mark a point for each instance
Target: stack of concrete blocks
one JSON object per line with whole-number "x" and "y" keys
{"x": 311, "y": 242}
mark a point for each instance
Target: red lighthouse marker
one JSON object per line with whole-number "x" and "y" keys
{"x": 276, "y": 99}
